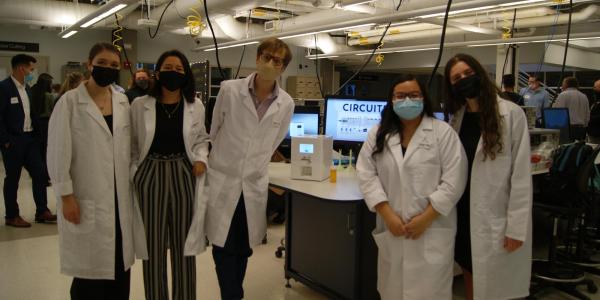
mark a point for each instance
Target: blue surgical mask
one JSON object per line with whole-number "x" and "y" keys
{"x": 408, "y": 109}
{"x": 29, "y": 78}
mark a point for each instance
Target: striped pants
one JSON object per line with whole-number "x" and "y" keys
{"x": 165, "y": 190}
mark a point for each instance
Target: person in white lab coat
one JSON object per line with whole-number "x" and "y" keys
{"x": 88, "y": 161}
{"x": 493, "y": 240}
{"x": 250, "y": 119}
{"x": 412, "y": 171}
{"x": 169, "y": 154}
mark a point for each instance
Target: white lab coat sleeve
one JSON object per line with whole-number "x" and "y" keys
{"x": 368, "y": 177}
{"x": 284, "y": 127}
{"x": 454, "y": 172}
{"x": 520, "y": 193}
{"x": 200, "y": 145}
{"x": 218, "y": 115}
{"x": 135, "y": 149}
{"x": 60, "y": 148}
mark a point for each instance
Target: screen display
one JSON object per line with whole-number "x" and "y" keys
{"x": 303, "y": 124}
{"x": 556, "y": 118}
{"x": 306, "y": 148}
{"x": 349, "y": 120}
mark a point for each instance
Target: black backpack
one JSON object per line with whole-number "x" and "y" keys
{"x": 567, "y": 161}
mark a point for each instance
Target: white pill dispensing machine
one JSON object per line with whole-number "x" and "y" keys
{"x": 311, "y": 157}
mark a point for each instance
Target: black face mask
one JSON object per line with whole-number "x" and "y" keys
{"x": 104, "y": 76}
{"x": 142, "y": 83}
{"x": 468, "y": 87}
{"x": 171, "y": 80}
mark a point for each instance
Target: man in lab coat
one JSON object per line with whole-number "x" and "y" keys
{"x": 251, "y": 117}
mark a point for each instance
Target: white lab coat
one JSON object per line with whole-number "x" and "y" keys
{"x": 433, "y": 170}
{"x": 501, "y": 200}
{"x": 84, "y": 159}
{"x": 195, "y": 138}
{"x": 241, "y": 150}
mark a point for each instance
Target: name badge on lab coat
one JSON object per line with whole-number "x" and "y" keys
{"x": 14, "y": 100}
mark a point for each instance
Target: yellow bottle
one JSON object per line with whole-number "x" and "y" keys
{"x": 332, "y": 174}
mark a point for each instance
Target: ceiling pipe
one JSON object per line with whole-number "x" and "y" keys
{"x": 397, "y": 35}
{"x": 477, "y": 19}
{"x": 323, "y": 25}
{"x": 482, "y": 43}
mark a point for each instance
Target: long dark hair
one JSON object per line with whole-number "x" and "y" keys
{"x": 490, "y": 117}
{"x": 189, "y": 88}
{"x": 390, "y": 122}
{"x": 39, "y": 90}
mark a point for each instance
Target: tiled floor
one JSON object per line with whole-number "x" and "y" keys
{"x": 29, "y": 267}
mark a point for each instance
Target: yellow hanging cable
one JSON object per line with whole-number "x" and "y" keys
{"x": 379, "y": 58}
{"x": 506, "y": 26}
{"x": 117, "y": 33}
{"x": 194, "y": 23}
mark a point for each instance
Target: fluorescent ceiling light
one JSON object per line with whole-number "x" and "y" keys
{"x": 103, "y": 15}
{"x": 520, "y": 2}
{"x": 297, "y": 35}
{"x": 72, "y": 32}
{"x": 457, "y": 12}
{"x": 323, "y": 56}
{"x": 232, "y": 46}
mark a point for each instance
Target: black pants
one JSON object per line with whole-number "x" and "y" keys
{"x": 231, "y": 260}
{"x": 99, "y": 289}
{"x": 578, "y": 132}
{"x": 24, "y": 151}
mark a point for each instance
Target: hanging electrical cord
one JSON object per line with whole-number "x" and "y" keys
{"x": 362, "y": 67}
{"x": 152, "y": 36}
{"x": 441, "y": 50}
{"x": 317, "y": 68}
{"x": 117, "y": 34}
{"x": 240, "y": 63}
{"x": 243, "y": 47}
{"x": 547, "y": 44}
{"x": 214, "y": 40}
{"x": 510, "y": 46}
{"x": 562, "y": 70}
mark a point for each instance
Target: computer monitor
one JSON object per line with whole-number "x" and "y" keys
{"x": 558, "y": 118}
{"x": 348, "y": 119}
{"x": 439, "y": 115}
{"x": 305, "y": 121}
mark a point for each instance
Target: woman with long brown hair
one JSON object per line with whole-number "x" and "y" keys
{"x": 493, "y": 240}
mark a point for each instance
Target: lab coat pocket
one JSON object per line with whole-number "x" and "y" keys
{"x": 498, "y": 226}
{"x": 439, "y": 245}
{"x": 87, "y": 218}
{"x": 215, "y": 186}
{"x": 382, "y": 245}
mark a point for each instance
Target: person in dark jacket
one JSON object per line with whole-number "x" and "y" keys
{"x": 140, "y": 85}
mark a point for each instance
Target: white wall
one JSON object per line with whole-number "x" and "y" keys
{"x": 59, "y": 50}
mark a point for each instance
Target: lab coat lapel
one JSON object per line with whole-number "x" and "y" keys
{"x": 395, "y": 147}
{"x": 150, "y": 124}
{"x": 92, "y": 109}
{"x": 273, "y": 109}
{"x": 419, "y": 139}
{"x": 188, "y": 114}
{"x": 247, "y": 98}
